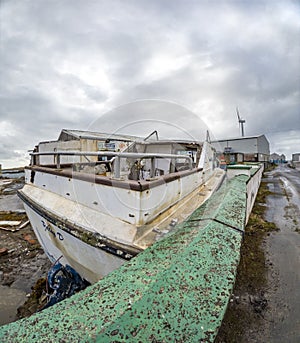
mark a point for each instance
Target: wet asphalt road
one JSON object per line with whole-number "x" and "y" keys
{"x": 283, "y": 249}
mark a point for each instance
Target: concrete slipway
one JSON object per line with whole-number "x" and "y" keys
{"x": 175, "y": 291}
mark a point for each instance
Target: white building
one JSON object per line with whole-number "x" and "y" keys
{"x": 244, "y": 149}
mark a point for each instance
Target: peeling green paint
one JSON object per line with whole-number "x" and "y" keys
{"x": 175, "y": 291}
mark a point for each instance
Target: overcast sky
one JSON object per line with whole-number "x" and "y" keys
{"x": 65, "y": 63}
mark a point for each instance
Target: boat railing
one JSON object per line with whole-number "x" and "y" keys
{"x": 116, "y": 158}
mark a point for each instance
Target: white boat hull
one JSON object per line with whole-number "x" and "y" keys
{"x": 61, "y": 239}
{"x": 96, "y": 221}
{"x": 90, "y": 262}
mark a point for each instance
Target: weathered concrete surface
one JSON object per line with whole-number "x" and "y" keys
{"x": 175, "y": 291}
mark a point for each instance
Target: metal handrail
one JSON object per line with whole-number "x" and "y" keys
{"x": 117, "y": 156}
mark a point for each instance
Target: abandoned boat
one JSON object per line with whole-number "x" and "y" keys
{"x": 96, "y": 200}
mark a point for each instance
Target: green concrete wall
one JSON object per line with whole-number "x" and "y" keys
{"x": 175, "y": 291}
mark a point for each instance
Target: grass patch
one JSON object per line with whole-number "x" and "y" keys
{"x": 252, "y": 271}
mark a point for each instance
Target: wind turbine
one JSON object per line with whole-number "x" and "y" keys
{"x": 241, "y": 122}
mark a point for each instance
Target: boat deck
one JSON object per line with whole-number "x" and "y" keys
{"x": 167, "y": 221}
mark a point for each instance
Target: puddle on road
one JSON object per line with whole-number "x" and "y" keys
{"x": 291, "y": 191}
{"x": 11, "y": 203}
{"x": 284, "y": 252}
{"x": 10, "y": 300}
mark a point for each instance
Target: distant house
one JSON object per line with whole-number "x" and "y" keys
{"x": 296, "y": 160}
{"x": 276, "y": 158}
{"x": 76, "y": 140}
{"x": 243, "y": 149}
{"x": 296, "y": 157}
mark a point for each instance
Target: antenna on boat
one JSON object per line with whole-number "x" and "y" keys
{"x": 207, "y": 137}
{"x": 151, "y": 134}
{"x": 241, "y": 122}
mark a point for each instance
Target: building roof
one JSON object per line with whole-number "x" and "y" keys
{"x": 238, "y": 138}
{"x": 78, "y": 134}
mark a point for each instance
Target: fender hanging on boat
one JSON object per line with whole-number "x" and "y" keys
{"x": 64, "y": 281}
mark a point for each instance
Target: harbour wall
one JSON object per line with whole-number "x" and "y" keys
{"x": 254, "y": 172}
{"x": 175, "y": 291}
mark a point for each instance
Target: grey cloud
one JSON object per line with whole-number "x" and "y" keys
{"x": 240, "y": 53}
{"x": 142, "y": 117}
{"x": 70, "y": 81}
{"x": 6, "y": 151}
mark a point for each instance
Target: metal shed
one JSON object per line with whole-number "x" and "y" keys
{"x": 296, "y": 157}
{"x": 249, "y": 149}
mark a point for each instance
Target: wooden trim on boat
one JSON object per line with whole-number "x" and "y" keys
{"x": 140, "y": 185}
